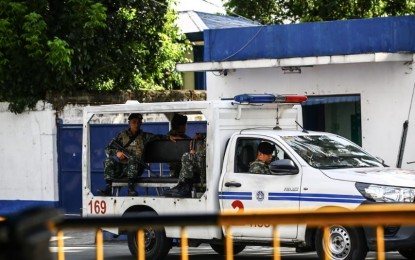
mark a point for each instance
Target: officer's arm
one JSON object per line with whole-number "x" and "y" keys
{"x": 148, "y": 137}
{"x": 253, "y": 168}
{"x": 109, "y": 150}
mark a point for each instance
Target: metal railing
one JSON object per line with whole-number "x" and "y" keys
{"x": 375, "y": 216}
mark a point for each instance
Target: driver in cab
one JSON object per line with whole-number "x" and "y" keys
{"x": 264, "y": 158}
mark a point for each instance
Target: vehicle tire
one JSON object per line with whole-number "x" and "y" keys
{"x": 408, "y": 253}
{"x": 345, "y": 243}
{"x": 221, "y": 250}
{"x": 157, "y": 245}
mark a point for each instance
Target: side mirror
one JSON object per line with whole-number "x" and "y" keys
{"x": 283, "y": 167}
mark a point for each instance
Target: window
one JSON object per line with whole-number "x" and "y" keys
{"x": 247, "y": 150}
{"x": 330, "y": 152}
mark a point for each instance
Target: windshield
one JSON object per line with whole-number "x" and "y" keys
{"x": 330, "y": 151}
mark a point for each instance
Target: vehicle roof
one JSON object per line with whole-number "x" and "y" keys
{"x": 182, "y": 106}
{"x": 272, "y": 132}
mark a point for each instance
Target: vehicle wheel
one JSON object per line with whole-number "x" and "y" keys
{"x": 345, "y": 243}
{"x": 221, "y": 250}
{"x": 408, "y": 253}
{"x": 156, "y": 244}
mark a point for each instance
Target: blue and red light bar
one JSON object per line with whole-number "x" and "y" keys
{"x": 269, "y": 98}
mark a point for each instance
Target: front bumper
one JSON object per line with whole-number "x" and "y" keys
{"x": 403, "y": 238}
{"x": 396, "y": 237}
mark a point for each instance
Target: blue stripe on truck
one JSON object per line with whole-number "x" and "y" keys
{"x": 229, "y": 195}
{"x": 317, "y": 197}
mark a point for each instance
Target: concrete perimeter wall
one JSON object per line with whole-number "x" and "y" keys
{"x": 28, "y": 158}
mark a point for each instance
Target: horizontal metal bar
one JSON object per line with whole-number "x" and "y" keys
{"x": 134, "y": 222}
{"x": 370, "y": 215}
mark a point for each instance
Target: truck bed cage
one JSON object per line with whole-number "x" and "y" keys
{"x": 158, "y": 151}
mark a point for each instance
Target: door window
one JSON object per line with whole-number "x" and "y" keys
{"x": 247, "y": 150}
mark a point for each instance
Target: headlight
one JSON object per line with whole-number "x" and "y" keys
{"x": 389, "y": 194}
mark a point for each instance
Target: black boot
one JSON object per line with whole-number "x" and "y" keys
{"x": 182, "y": 190}
{"x": 131, "y": 188}
{"x": 107, "y": 191}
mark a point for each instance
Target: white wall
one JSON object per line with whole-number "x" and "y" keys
{"x": 385, "y": 89}
{"x": 28, "y": 158}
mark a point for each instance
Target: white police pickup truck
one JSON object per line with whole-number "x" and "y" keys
{"x": 310, "y": 170}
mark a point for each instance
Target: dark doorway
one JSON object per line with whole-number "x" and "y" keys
{"x": 335, "y": 114}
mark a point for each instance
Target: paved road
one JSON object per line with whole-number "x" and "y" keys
{"x": 81, "y": 245}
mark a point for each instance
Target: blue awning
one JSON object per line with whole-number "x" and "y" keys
{"x": 321, "y": 100}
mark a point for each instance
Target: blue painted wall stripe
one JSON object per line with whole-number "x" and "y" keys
{"x": 14, "y": 206}
{"x": 386, "y": 34}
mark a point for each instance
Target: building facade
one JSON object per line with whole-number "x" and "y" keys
{"x": 358, "y": 75}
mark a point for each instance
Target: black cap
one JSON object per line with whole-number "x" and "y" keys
{"x": 266, "y": 148}
{"x": 135, "y": 116}
{"x": 178, "y": 120}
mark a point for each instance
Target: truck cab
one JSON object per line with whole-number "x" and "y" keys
{"x": 309, "y": 170}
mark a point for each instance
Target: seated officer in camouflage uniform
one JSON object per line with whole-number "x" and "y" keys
{"x": 118, "y": 164}
{"x": 178, "y": 131}
{"x": 192, "y": 162}
{"x": 264, "y": 157}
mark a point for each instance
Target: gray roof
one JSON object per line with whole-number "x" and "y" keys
{"x": 193, "y": 21}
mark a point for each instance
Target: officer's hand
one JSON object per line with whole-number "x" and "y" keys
{"x": 173, "y": 138}
{"x": 120, "y": 155}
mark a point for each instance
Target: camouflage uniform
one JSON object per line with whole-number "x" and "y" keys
{"x": 193, "y": 163}
{"x": 128, "y": 167}
{"x": 259, "y": 167}
{"x": 176, "y": 166}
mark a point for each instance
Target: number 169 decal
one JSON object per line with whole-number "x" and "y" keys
{"x": 97, "y": 207}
